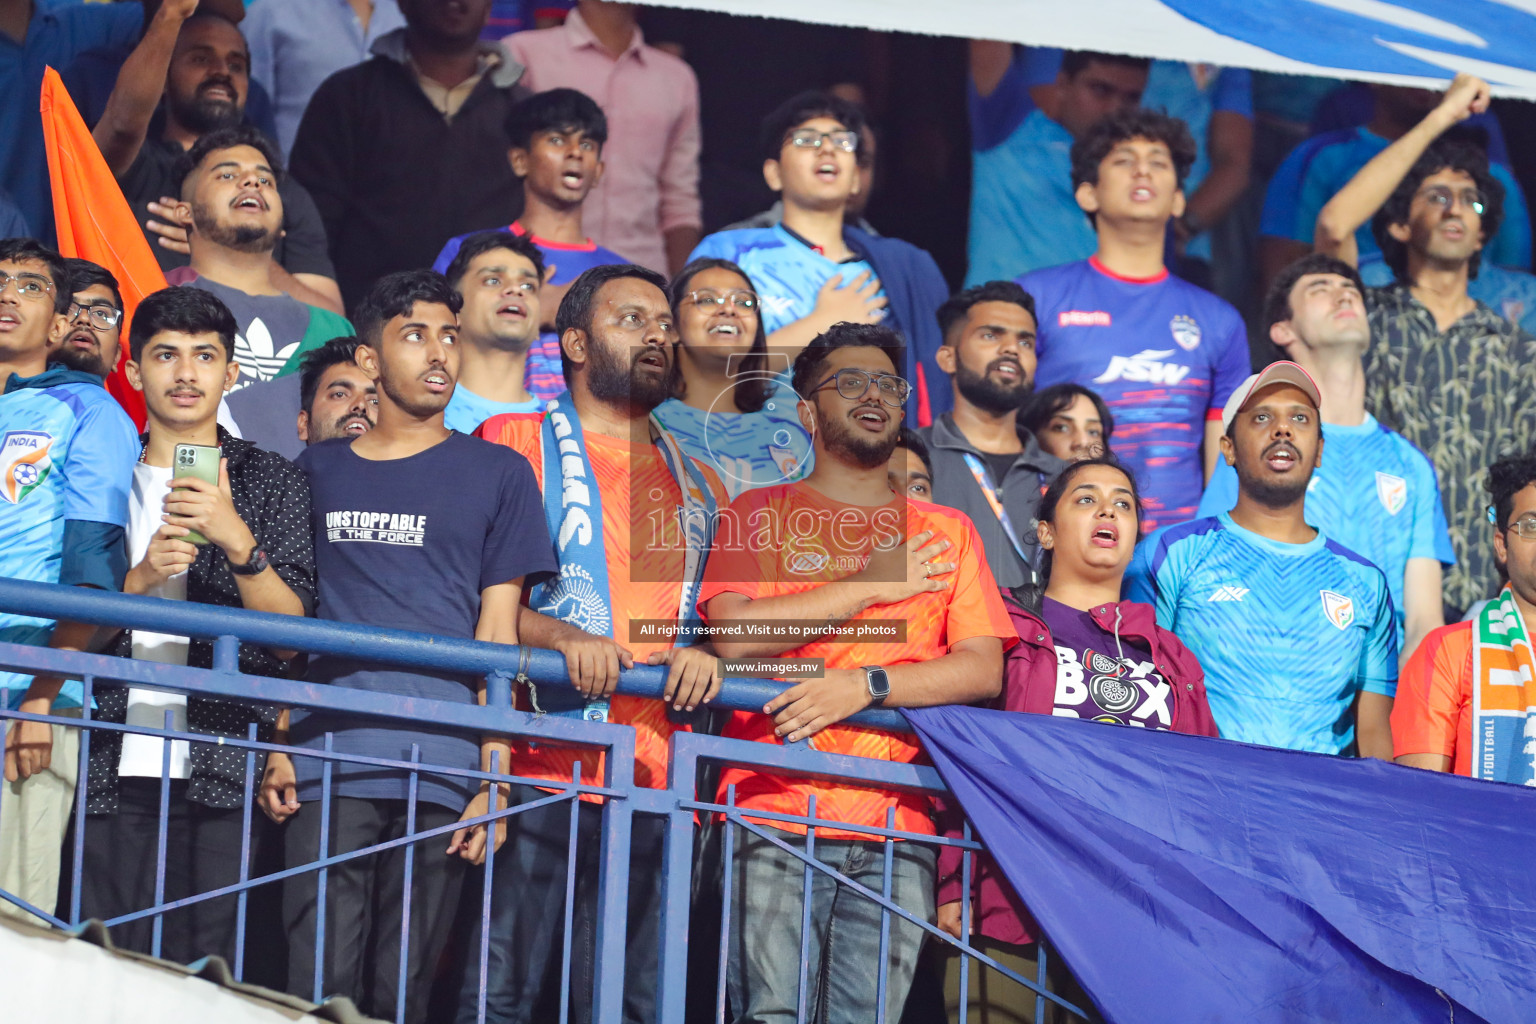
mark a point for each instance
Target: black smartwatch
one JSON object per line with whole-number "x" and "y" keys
{"x": 255, "y": 567}
{"x": 879, "y": 684}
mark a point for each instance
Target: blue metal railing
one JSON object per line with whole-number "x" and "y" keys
{"x": 679, "y": 803}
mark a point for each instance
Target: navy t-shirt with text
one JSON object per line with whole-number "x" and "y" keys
{"x": 410, "y": 544}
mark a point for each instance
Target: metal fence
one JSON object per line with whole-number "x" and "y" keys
{"x": 682, "y": 805}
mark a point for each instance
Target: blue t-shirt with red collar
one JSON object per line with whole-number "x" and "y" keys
{"x": 1164, "y": 354}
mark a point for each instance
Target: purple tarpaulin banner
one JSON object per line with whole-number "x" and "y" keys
{"x": 1189, "y": 879}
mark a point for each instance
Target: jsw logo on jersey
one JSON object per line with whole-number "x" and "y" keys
{"x": 1145, "y": 367}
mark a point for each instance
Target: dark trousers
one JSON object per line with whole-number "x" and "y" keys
{"x": 202, "y": 853}
{"x": 527, "y": 921}
{"x": 364, "y": 903}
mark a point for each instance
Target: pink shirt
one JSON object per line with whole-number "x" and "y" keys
{"x": 651, "y": 179}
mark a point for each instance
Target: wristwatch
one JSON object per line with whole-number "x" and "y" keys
{"x": 879, "y": 684}
{"x": 255, "y": 567}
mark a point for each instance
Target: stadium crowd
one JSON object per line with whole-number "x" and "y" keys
{"x": 1062, "y": 489}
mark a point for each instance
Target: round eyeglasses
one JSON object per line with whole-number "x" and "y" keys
{"x": 1445, "y": 197}
{"x": 28, "y": 286}
{"x": 741, "y": 299}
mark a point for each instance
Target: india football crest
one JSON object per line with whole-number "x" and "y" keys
{"x": 24, "y": 463}
{"x": 1393, "y": 492}
{"x": 1339, "y": 609}
{"x": 1186, "y": 332}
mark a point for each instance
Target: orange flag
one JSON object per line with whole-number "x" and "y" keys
{"x": 94, "y": 220}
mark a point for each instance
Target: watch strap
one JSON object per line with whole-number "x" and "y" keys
{"x": 258, "y": 564}
{"x": 878, "y": 683}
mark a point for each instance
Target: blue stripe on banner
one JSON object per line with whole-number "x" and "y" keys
{"x": 1243, "y": 883}
{"x": 1328, "y": 33}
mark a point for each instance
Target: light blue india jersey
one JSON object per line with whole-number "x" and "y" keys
{"x": 1375, "y": 493}
{"x": 1288, "y": 634}
{"x": 785, "y": 270}
{"x": 67, "y": 451}
{"x": 747, "y": 449}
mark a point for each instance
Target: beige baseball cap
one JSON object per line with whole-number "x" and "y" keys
{"x": 1282, "y": 371}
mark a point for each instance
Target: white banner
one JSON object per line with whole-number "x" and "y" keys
{"x": 1412, "y": 42}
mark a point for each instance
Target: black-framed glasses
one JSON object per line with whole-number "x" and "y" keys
{"x": 28, "y": 285}
{"x": 854, "y": 384}
{"x": 810, "y": 138}
{"x": 740, "y": 298}
{"x": 100, "y": 314}
{"x": 1445, "y": 197}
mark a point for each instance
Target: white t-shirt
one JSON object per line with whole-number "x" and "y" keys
{"x": 142, "y": 755}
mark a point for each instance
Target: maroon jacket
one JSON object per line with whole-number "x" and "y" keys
{"x": 1029, "y": 684}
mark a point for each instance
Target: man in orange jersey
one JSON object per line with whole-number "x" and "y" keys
{"x": 631, "y": 551}
{"x": 1466, "y": 699}
{"x": 840, "y": 549}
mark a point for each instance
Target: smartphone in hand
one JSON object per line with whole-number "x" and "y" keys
{"x": 202, "y": 462}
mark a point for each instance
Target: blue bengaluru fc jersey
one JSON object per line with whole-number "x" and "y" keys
{"x": 1287, "y": 633}
{"x": 1375, "y": 493}
{"x": 785, "y": 271}
{"x": 1164, "y": 355}
{"x": 66, "y": 452}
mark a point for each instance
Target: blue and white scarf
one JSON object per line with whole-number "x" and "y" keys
{"x": 573, "y": 508}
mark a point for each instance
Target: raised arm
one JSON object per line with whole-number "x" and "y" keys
{"x": 125, "y": 121}
{"x": 1230, "y": 144}
{"x": 1372, "y": 185}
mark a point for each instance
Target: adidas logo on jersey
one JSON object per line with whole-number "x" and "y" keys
{"x": 1145, "y": 367}
{"x": 1229, "y": 593}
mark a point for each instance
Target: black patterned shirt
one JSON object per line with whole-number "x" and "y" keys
{"x": 272, "y": 497}
{"x": 1466, "y": 396}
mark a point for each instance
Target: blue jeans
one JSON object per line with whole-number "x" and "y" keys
{"x": 843, "y": 948}
{"x": 528, "y": 918}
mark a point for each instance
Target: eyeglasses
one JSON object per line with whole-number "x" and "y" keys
{"x": 1524, "y": 528}
{"x": 810, "y": 138}
{"x": 1444, "y": 197}
{"x": 740, "y": 298}
{"x": 100, "y": 314}
{"x": 28, "y": 286}
{"x": 854, "y": 384}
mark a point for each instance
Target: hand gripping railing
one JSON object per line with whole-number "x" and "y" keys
{"x": 226, "y": 628}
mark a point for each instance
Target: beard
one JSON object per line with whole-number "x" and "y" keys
{"x": 339, "y": 427}
{"x": 82, "y": 359}
{"x": 202, "y": 115}
{"x": 985, "y": 393}
{"x": 242, "y": 238}
{"x": 1269, "y": 491}
{"x": 856, "y": 446}
{"x": 610, "y": 380}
